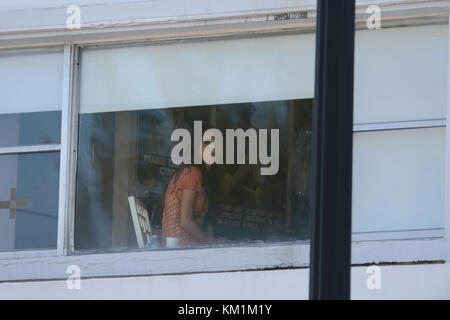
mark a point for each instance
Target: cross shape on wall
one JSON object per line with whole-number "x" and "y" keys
{"x": 14, "y": 204}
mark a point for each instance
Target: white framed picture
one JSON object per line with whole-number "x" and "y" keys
{"x": 141, "y": 221}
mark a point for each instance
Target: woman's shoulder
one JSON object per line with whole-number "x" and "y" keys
{"x": 190, "y": 178}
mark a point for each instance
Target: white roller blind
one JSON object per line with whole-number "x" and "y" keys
{"x": 401, "y": 74}
{"x": 30, "y": 81}
{"x": 197, "y": 73}
{"x": 398, "y": 180}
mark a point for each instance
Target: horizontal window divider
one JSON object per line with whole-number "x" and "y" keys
{"x": 14, "y": 52}
{"x": 398, "y": 235}
{"x": 27, "y": 254}
{"x": 30, "y": 149}
{"x": 201, "y": 260}
{"x": 159, "y": 262}
{"x": 399, "y": 125}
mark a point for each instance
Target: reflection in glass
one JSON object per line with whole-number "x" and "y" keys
{"x": 387, "y": 88}
{"x": 128, "y": 153}
{"x": 31, "y": 128}
{"x": 29, "y": 201}
{"x": 398, "y": 181}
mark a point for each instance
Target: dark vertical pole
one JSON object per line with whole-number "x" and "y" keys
{"x": 332, "y": 151}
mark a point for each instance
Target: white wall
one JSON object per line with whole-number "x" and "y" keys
{"x": 28, "y": 4}
{"x": 31, "y": 15}
{"x": 205, "y": 4}
{"x": 425, "y": 281}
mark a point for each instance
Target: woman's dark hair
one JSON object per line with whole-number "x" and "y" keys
{"x": 205, "y": 126}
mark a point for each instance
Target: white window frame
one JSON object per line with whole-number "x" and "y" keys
{"x": 31, "y": 149}
{"x": 377, "y": 247}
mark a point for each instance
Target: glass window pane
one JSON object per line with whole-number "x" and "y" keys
{"x": 198, "y": 73}
{"x": 129, "y": 153}
{"x": 401, "y": 74}
{"x": 30, "y": 128}
{"x": 29, "y": 201}
{"x": 398, "y": 180}
{"x": 30, "y": 81}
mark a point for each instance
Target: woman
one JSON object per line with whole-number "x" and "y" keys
{"x": 185, "y": 206}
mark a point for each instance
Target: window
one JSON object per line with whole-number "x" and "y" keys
{"x": 399, "y": 140}
{"x": 30, "y": 134}
{"x": 134, "y": 97}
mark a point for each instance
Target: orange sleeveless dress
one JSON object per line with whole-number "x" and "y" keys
{"x": 190, "y": 178}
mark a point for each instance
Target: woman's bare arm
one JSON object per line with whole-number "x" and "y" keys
{"x": 187, "y": 221}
